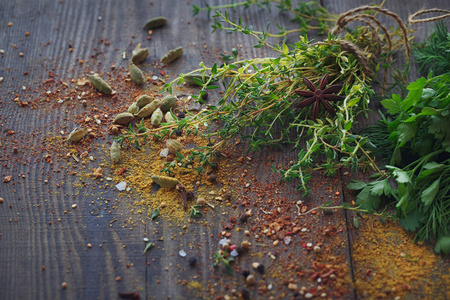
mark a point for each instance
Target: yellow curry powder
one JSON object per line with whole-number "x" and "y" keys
{"x": 389, "y": 264}
{"x": 141, "y": 164}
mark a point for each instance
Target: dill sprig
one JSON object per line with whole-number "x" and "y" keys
{"x": 434, "y": 54}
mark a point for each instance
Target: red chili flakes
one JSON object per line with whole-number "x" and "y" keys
{"x": 162, "y": 73}
{"x": 10, "y": 132}
{"x": 121, "y": 171}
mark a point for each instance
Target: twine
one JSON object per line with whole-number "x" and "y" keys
{"x": 342, "y": 20}
{"x": 432, "y": 19}
{"x": 350, "y": 47}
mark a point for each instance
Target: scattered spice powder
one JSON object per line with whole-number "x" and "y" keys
{"x": 389, "y": 264}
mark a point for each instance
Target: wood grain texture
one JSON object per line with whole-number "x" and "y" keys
{"x": 43, "y": 241}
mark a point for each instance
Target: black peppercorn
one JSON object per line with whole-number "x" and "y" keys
{"x": 192, "y": 261}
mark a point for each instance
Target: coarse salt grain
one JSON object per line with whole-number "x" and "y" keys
{"x": 146, "y": 239}
{"x": 155, "y": 77}
{"x": 164, "y": 152}
{"x": 182, "y": 253}
{"x": 121, "y": 186}
{"x": 287, "y": 240}
{"x": 234, "y": 253}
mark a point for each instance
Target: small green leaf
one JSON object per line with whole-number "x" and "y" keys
{"x": 430, "y": 193}
{"x": 155, "y": 214}
{"x": 400, "y": 175}
{"x": 443, "y": 243}
{"x": 392, "y": 105}
{"x": 148, "y": 246}
{"x": 355, "y": 222}
{"x": 377, "y": 188}
{"x": 285, "y": 49}
{"x": 356, "y": 185}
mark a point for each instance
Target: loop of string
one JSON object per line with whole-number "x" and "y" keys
{"x": 412, "y": 17}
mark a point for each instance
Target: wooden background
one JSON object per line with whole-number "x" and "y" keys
{"x": 39, "y": 229}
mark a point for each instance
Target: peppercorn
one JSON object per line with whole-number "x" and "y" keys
{"x": 245, "y": 294}
{"x": 243, "y": 217}
{"x": 205, "y": 96}
{"x": 245, "y": 273}
{"x": 260, "y": 268}
{"x": 212, "y": 178}
{"x": 181, "y": 115}
{"x": 190, "y": 195}
{"x": 192, "y": 261}
{"x": 179, "y": 132}
{"x": 214, "y": 165}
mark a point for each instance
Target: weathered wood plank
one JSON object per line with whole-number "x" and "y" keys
{"x": 49, "y": 233}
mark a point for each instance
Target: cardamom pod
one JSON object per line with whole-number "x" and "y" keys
{"x": 174, "y": 146}
{"x": 172, "y": 55}
{"x": 155, "y": 23}
{"x": 139, "y": 55}
{"x": 123, "y": 118}
{"x": 189, "y": 79}
{"x": 164, "y": 181}
{"x": 136, "y": 74}
{"x": 77, "y": 134}
{"x": 143, "y": 100}
{"x": 114, "y": 152}
{"x": 168, "y": 102}
{"x": 148, "y": 109}
{"x": 157, "y": 116}
{"x": 134, "y": 108}
{"x": 168, "y": 117}
{"x": 100, "y": 84}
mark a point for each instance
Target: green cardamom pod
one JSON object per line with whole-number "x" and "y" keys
{"x": 164, "y": 181}
{"x": 174, "y": 146}
{"x": 134, "y": 108}
{"x": 100, "y": 84}
{"x": 168, "y": 102}
{"x": 172, "y": 55}
{"x": 169, "y": 118}
{"x": 189, "y": 79}
{"x": 136, "y": 74}
{"x": 114, "y": 152}
{"x": 155, "y": 23}
{"x": 139, "y": 55}
{"x": 143, "y": 100}
{"x": 157, "y": 117}
{"x": 77, "y": 134}
{"x": 123, "y": 118}
{"x": 148, "y": 109}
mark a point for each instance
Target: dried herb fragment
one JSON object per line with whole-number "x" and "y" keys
{"x": 219, "y": 258}
{"x": 194, "y": 213}
{"x": 148, "y": 247}
{"x": 155, "y": 214}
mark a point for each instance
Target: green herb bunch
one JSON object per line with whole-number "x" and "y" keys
{"x": 419, "y": 131}
{"x": 259, "y": 103}
{"x": 307, "y": 15}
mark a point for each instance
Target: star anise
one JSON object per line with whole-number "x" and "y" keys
{"x": 320, "y": 95}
